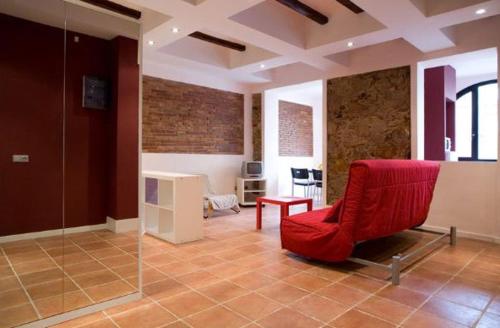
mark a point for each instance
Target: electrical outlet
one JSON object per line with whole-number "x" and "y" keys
{"x": 20, "y": 158}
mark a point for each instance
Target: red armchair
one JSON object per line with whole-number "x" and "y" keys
{"x": 382, "y": 197}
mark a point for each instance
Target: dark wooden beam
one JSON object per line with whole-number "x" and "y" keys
{"x": 351, "y": 6}
{"x": 305, "y": 10}
{"x": 217, "y": 41}
{"x": 115, "y": 7}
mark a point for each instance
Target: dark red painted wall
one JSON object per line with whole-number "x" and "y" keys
{"x": 87, "y": 134}
{"x": 31, "y": 122}
{"x": 439, "y": 116}
{"x": 450, "y": 123}
{"x": 123, "y": 194}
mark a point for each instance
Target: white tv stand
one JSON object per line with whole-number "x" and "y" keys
{"x": 173, "y": 206}
{"x": 249, "y": 189}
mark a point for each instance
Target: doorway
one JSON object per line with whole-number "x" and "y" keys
{"x": 293, "y": 139}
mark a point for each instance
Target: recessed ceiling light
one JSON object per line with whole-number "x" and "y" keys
{"x": 151, "y": 43}
{"x": 262, "y": 65}
{"x": 480, "y": 11}
{"x": 350, "y": 44}
{"x": 175, "y": 30}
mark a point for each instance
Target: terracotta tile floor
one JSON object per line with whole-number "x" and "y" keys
{"x": 43, "y": 277}
{"x": 238, "y": 277}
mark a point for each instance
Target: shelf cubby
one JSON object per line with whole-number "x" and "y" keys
{"x": 173, "y": 206}
{"x": 249, "y": 189}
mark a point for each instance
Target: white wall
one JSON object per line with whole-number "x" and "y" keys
{"x": 222, "y": 170}
{"x": 465, "y": 197}
{"x": 466, "y": 81}
{"x": 277, "y": 168}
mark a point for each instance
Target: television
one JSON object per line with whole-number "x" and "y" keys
{"x": 252, "y": 169}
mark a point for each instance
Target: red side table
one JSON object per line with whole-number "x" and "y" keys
{"x": 283, "y": 202}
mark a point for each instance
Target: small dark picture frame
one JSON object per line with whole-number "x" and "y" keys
{"x": 96, "y": 93}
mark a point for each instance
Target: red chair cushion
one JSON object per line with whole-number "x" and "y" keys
{"x": 334, "y": 211}
{"x": 387, "y": 196}
{"x": 309, "y": 235}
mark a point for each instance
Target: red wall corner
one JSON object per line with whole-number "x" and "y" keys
{"x": 124, "y": 163}
{"x": 439, "y": 117}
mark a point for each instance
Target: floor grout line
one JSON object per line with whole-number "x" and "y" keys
{"x": 277, "y": 280}
{"x": 64, "y": 274}
{"x": 440, "y": 288}
{"x": 218, "y": 235}
{"x": 111, "y": 319}
{"x": 256, "y": 292}
{"x": 97, "y": 260}
{"x": 21, "y": 283}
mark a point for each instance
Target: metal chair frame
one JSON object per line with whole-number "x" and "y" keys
{"x": 396, "y": 266}
{"x": 317, "y": 180}
{"x": 307, "y": 184}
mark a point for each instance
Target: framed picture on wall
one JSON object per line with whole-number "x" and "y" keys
{"x": 96, "y": 93}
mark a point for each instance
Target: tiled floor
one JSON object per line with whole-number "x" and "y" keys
{"x": 43, "y": 277}
{"x": 237, "y": 277}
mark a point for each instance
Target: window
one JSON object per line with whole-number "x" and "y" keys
{"x": 477, "y": 122}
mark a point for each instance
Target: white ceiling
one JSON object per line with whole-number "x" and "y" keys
{"x": 76, "y": 16}
{"x": 475, "y": 63}
{"x": 308, "y": 92}
{"x": 279, "y": 41}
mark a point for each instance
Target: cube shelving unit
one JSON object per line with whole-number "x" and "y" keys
{"x": 248, "y": 190}
{"x": 173, "y": 206}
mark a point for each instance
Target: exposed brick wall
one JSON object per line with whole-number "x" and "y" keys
{"x": 295, "y": 129}
{"x": 186, "y": 118}
{"x": 368, "y": 116}
{"x": 257, "y": 126}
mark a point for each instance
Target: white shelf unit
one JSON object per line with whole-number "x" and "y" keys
{"x": 173, "y": 206}
{"x": 248, "y": 190}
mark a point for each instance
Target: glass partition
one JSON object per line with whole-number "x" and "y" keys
{"x": 69, "y": 79}
{"x": 32, "y": 279}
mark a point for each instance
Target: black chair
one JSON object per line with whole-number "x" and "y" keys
{"x": 318, "y": 182}
{"x": 300, "y": 177}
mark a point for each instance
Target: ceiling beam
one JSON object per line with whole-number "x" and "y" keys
{"x": 305, "y": 10}
{"x": 351, "y": 6}
{"x": 217, "y": 41}
{"x": 115, "y": 7}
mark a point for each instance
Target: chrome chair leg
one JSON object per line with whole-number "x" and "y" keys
{"x": 453, "y": 235}
{"x": 395, "y": 269}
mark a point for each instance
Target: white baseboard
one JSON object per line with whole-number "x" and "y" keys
{"x": 51, "y": 233}
{"x": 117, "y": 226}
{"x": 465, "y": 234}
{"x": 124, "y": 225}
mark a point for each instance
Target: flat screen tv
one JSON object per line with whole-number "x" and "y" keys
{"x": 252, "y": 169}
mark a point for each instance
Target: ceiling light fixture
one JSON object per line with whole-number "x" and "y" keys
{"x": 151, "y": 43}
{"x": 175, "y": 29}
{"x": 480, "y": 11}
{"x": 262, "y": 65}
{"x": 350, "y": 44}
